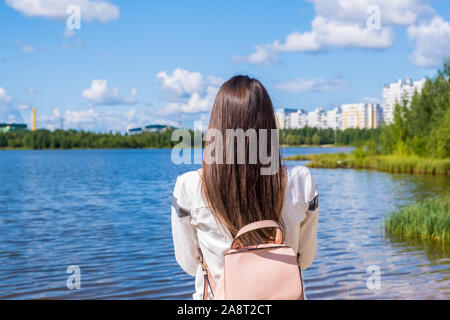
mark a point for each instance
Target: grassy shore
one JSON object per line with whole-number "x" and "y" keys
{"x": 387, "y": 163}
{"x": 313, "y": 146}
{"x": 429, "y": 219}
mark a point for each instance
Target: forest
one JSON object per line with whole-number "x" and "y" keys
{"x": 73, "y": 139}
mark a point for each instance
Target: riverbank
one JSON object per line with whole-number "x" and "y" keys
{"x": 162, "y": 147}
{"x": 315, "y": 146}
{"x": 386, "y": 163}
{"x": 425, "y": 220}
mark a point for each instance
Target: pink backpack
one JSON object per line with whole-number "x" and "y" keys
{"x": 267, "y": 271}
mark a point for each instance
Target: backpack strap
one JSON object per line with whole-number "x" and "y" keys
{"x": 207, "y": 279}
{"x": 259, "y": 225}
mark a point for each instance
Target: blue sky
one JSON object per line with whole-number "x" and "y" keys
{"x": 139, "y": 62}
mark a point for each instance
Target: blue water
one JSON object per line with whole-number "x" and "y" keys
{"x": 108, "y": 212}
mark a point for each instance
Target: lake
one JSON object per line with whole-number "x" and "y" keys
{"x": 108, "y": 212}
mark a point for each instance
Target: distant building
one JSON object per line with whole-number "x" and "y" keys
{"x": 155, "y": 128}
{"x": 317, "y": 119}
{"x": 284, "y": 119}
{"x": 358, "y": 115}
{"x": 334, "y": 118}
{"x": 12, "y": 127}
{"x": 149, "y": 128}
{"x": 394, "y": 93}
{"x": 361, "y": 115}
{"x": 33, "y": 119}
{"x": 135, "y": 130}
{"x": 375, "y": 115}
{"x": 298, "y": 119}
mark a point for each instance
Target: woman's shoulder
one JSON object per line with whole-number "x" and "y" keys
{"x": 189, "y": 177}
{"x": 298, "y": 171}
{"x": 300, "y": 185}
{"x": 187, "y": 188}
{"x": 188, "y": 181}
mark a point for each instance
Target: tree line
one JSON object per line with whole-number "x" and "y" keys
{"x": 315, "y": 136}
{"x": 73, "y": 139}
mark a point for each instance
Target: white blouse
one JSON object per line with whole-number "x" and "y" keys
{"x": 194, "y": 226}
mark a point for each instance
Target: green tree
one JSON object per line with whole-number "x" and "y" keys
{"x": 316, "y": 139}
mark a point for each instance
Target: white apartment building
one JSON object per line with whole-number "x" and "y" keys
{"x": 294, "y": 119}
{"x": 317, "y": 119}
{"x": 288, "y": 118}
{"x": 334, "y": 118}
{"x": 298, "y": 119}
{"x": 356, "y": 115}
{"x": 361, "y": 115}
{"x": 395, "y": 92}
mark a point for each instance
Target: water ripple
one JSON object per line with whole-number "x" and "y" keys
{"x": 108, "y": 211}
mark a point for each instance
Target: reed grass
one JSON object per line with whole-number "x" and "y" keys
{"x": 387, "y": 163}
{"x": 428, "y": 219}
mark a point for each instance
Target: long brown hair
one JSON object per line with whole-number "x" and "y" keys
{"x": 237, "y": 193}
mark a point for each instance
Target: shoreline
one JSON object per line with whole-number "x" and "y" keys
{"x": 383, "y": 163}
{"x": 125, "y": 148}
{"x": 315, "y": 146}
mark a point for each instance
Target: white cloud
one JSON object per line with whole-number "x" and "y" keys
{"x": 3, "y": 96}
{"x": 98, "y": 10}
{"x": 327, "y": 33}
{"x": 181, "y": 82}
{"x": 93, "y": 120}
{"x": 301, "y": 85}
{"x": 265, "y": 55}
{"x": 188, "y": 92}
{"x": 100, "y": 94}
{"x": 393, "y": 12}
{"x": 84, "y": 119}
{"x": 343, "y": 24}
{"x": 27, "y": 48}
{"x": 324, "y": 35}
{"x": 432, "y": 42}
{"x": 8, "y": 113}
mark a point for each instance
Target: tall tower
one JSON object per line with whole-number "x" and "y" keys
{"x": 33, "y": 121}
